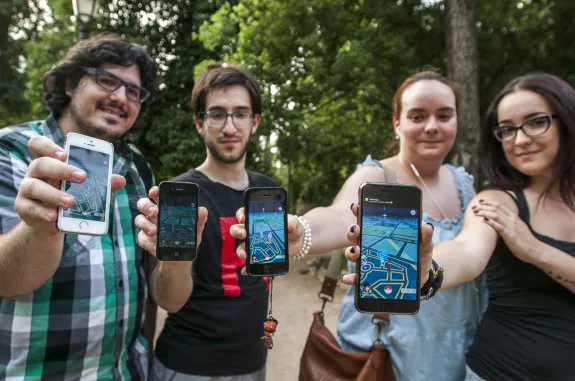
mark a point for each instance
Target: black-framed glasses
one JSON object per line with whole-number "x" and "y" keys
{"x": 110, "y": 82}
{"x": 535, "y": 126}
{"x": 217, "y": 118}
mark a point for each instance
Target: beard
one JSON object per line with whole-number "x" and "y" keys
{"x": 216, "y": 154}
{"x": 91, "y": 129}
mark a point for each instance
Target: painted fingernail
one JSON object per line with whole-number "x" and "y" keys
{"x": 352, "y": 229}
{"x": 65, "y": 200}
{"x": 486, "y": 219}
{"x": 481, "y": 200}
{"x": 352, "y": 249}
{"x": 475, "y": 211}
{"x": 78, "y": 175}
{"x": 50, "y": 216}
{"x": 351, "y": 206}
{"x": 430, "y": 224}
{"x": 473, "y": 207}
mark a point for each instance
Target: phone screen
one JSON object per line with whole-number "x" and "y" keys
{"x": 389, "y": 248}
{"x": 267, "y": 231}
{"x": 177, "y": 221}
{"x": 91, "y": 194}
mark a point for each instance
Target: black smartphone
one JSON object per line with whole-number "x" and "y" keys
{"x": 388, "y": 267}
{"x": 177, "y": 221}
{"x": 266, "y": 224}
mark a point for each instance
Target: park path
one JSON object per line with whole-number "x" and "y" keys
{"x": 295, "y": 300}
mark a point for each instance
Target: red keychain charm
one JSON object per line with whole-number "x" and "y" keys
{"x": 270, "y": 324}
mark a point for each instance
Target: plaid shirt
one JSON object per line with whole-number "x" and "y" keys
{"x": 86, "y": 321}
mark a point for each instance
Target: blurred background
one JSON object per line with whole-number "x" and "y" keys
{"x": 328, "y": 69}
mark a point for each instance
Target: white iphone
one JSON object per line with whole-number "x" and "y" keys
{"x": 90, "y": 212}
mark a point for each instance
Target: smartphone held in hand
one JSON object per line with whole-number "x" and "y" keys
{"x": 266, "y": 226}
{"x": 388, "y": 267}
{"x": 90, "y": 212}
{"x": 177, "y": 221}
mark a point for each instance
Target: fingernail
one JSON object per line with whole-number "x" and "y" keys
{"x": 430, "y": 224}
{"x": 65, "y": 200}
{"x": 60, "y": 154}
{"x": 78, "y": 175}
{"x": 474, "y": 206}
{"x": 50, "y": 216}
{"x": 352, "y": 229}
{"x": 481, "y": 200}
{"x": 486, "y": 219}
{"x": 351, "y": 206}
{"x": 475, "y": 211}
{"x": 352, "y": 249}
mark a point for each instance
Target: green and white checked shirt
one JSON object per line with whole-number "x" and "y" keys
{"x": 86, "y": 321}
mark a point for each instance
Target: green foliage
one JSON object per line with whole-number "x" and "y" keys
{"x": 328, "y": 69}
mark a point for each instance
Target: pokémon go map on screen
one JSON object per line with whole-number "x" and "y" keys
{"x": 389, "y": 252}
{"x": 267, "y": 232}
{"x": 91, "y": 194}
{"x": 178, "y": 223}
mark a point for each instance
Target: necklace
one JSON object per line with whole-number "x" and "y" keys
{"x": 447, "y": 221}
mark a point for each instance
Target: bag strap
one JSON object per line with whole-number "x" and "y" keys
{"x": 331, "y": 277}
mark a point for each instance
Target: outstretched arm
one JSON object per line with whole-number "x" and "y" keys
{"x": 329, "y": 224}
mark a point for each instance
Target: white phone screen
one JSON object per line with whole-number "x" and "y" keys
{"x": 91, "y": 194}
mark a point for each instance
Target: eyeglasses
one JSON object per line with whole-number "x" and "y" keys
{"x": 110, "y": 82}
{"x": 532, "y": 127}
{"x": 217, "y": 118}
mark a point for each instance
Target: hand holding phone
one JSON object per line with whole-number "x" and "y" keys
{"x": 90, "y": 212}
{"x": 388, "y": 269}
{"x": 177, "y": 221}
{"x": 266, "y": 227}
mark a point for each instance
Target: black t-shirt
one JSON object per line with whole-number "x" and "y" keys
{"x": 218, "y": 331}
{"x": 528, "y": 330}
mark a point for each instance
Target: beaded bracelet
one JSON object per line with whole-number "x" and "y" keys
{"x": 306, "y": 245}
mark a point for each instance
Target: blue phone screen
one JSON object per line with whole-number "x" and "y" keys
{"x": 267, "y": 232}
{"x": 389, "y": 247}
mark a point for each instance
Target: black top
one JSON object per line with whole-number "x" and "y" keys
{"x": 218, "y": 331}
{"x": 528, "y": 330}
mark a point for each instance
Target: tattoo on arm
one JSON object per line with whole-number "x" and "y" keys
{"x": 559, "y": 278}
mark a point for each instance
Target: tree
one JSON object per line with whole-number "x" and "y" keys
{"x": 462, "y": 67}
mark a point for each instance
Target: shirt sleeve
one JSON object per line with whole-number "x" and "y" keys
{"x": 13, "y": 169}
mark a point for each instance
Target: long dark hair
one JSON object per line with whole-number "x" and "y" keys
{"x": 561, "y": 97}
{"x": 105, "y": 48}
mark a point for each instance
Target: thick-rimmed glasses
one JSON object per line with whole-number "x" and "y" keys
{"x": 533, "y": 127}
{"x": 217, "y": 118}
{"x": 110, "y": 82}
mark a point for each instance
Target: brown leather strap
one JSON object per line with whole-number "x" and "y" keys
{"x": 331, "y": 277}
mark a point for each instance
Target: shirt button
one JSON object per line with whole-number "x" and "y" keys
{"x": 121, "y": 283}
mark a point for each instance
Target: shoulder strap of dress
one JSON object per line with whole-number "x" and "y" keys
{"x": 390, "y": 176}
{"x": 521, "y": 202}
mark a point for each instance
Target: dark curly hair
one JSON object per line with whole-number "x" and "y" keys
{"x": 561, "y": 97}
{"x": 105, "y": 48}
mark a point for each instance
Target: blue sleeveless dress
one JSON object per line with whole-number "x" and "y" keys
{"x": 431, "y": 344}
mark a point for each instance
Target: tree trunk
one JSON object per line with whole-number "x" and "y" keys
{"x": 462, "y": 67}
{"x": 5, "y": 21}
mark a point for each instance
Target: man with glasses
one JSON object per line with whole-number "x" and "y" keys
{"x": 73, "y": 306}
{"x": 215, "y": 322}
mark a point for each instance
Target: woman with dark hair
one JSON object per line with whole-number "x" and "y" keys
{"x": 521, "y": 232}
